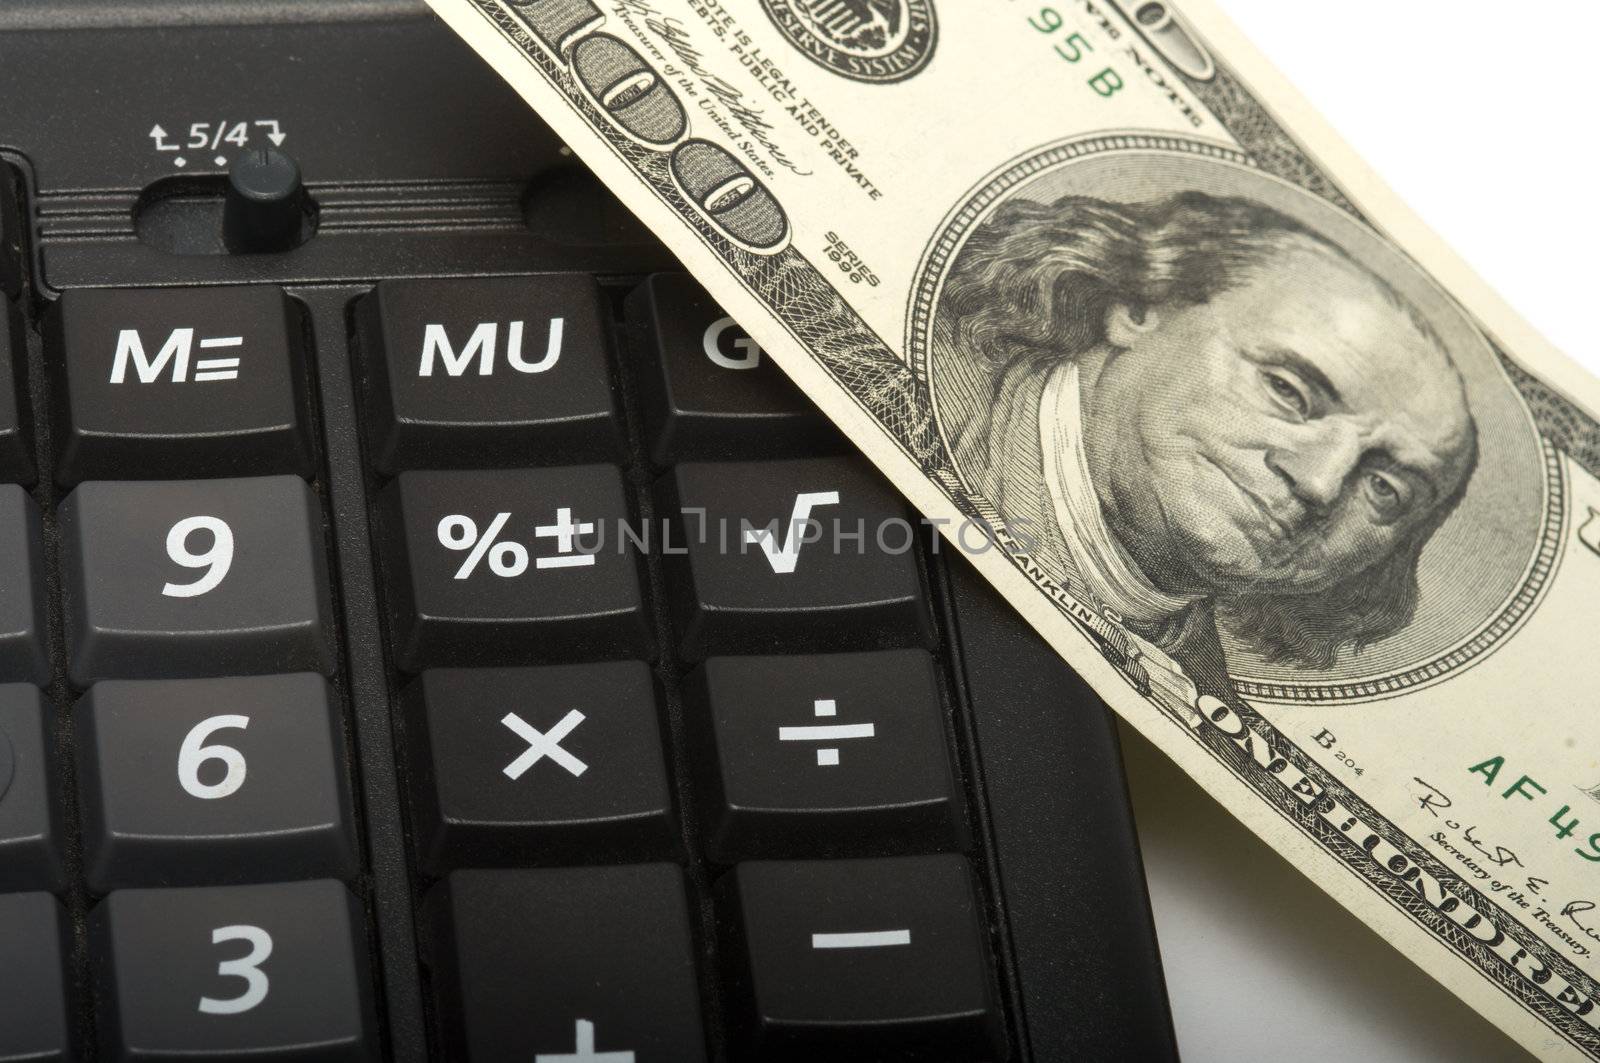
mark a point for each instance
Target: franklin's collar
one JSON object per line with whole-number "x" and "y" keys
{"x": 1108, "y": 573}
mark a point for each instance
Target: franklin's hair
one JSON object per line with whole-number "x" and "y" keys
{"x": 1034, "y": 285}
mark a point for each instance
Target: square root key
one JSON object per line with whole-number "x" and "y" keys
{"x": 787, "y": 556}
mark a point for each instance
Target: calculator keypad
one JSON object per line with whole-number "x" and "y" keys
{"x": 660, "y": 658}
{"x": 758, "y": 626}
{"x": 196, "y": 890}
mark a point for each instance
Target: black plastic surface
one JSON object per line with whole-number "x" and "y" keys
{"x": 1063, "y": 838}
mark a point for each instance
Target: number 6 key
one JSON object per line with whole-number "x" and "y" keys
{"x": 195, "y": 578}
{"x": 211, "y": 781}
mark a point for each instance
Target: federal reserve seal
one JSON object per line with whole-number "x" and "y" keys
{"x": 864, "y": 40}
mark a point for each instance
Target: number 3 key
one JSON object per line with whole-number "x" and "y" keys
{"x": 195, "y": 578}
{"x": 232, "y": 972}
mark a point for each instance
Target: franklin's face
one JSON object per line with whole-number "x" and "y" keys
{"x": 1281, "y": 437}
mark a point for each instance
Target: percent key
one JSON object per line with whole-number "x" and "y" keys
{"x": 516, "y": 566}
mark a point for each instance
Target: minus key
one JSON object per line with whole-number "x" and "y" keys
{"x": 880, "y": 958}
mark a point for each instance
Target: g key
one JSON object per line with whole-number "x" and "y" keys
{"x": 710, "y": 392}
{"x": 195, "y": 578}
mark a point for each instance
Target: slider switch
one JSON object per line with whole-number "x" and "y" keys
{"x": 265, "y": 206}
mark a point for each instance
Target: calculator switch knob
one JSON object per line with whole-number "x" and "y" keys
{"x": 265, "y": 205}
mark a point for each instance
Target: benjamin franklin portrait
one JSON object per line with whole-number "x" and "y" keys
{"x": 1197, "y": 408}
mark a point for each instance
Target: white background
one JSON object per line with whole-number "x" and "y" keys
{"x": 1480, "y": 115}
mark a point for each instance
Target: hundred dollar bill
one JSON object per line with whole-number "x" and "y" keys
{"x": 1308, "y": 505}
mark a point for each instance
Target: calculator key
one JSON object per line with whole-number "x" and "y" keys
{"x": 515, "y": 566}
{"x": 842, "y": 754}
{"x": 22, "y": 652}
{"x": 710, "y": 391}
{"x": 878, "y": 959}
{"x": 31, "y": 832}
{"x": 195, "y": 578}
{"x": 10, "y": 236}
{"x": 178, "y": 382}
{"x": 16, "y": 454}
{"x": 565, "y": 964}
{"x": 784, "y": 556}
{"x": 489, "y": 372}
{"x": 273, "y": 972}
{"x": 33, "y": 955}
{"x": 212, "y": 781}
{"x": 537, "y": 765}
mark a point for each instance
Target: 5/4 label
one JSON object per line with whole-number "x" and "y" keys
{"x": 180, "y": 143}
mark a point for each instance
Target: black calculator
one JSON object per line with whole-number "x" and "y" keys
{"x": 431, "y": 628}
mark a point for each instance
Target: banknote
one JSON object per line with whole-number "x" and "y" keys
{"x": 1306, "y": 503}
